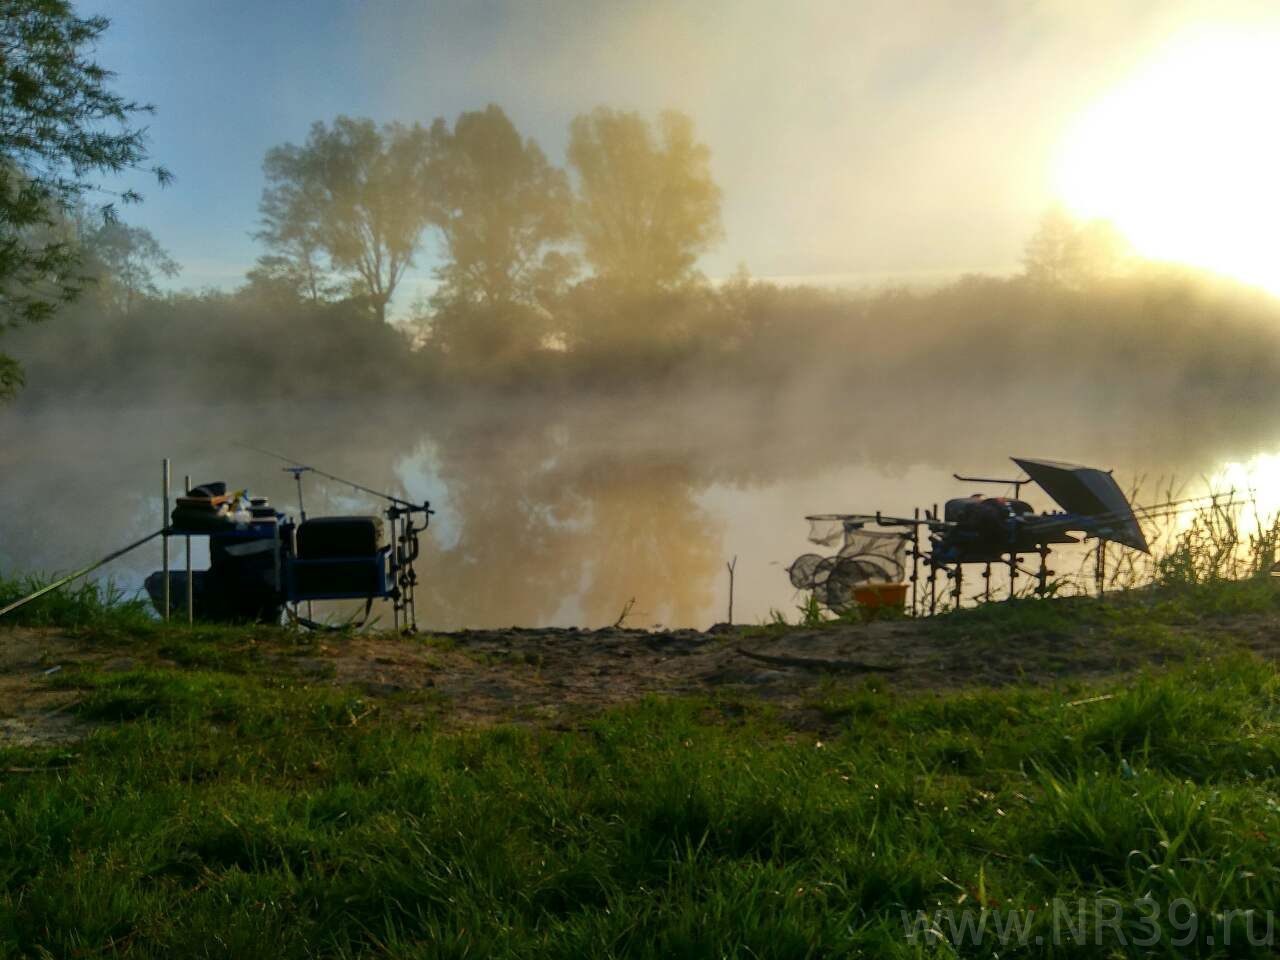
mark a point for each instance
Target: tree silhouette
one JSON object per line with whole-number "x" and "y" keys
{"x": 130, "y": 261}
{"x": 646, "y": 204}
{"x": 501, "y": 208}
{"x": 290, "y": 231}
{"x": 355, "y": 193}
{"x": 1064, "y": 252}
{"x": 59, "y": 125}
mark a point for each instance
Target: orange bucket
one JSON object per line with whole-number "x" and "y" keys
{"x": 877, "y": 595}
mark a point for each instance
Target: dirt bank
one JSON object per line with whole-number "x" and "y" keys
{"x": 558, "y": 676}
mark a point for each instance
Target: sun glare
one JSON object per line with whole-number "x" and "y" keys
{"x": 1184, "y": 157}
{"x": 1256, "y": 482}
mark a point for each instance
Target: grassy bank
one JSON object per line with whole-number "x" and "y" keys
{"x": 222, "y": 809}
{"x": 79, "y": 605}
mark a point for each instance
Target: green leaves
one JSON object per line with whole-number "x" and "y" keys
{"x": 348, "y": 202}
{"x": 646, "y": 206}
{"x": 59, "y": 126}
{"x": 501, "y": 208}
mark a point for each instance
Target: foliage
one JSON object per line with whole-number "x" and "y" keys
{"x": 352, "y": 193}
{"x": 646, "y": 203}
{"x": 811, "y": 613}
{"x": 1064, "y": 252}
{"x": 59, "y": 126}
{"x": 1213, "y": 546}
{"x": 81, "y": 604}
{"x": 502, "y": 210}
{"x": 125, "y": 261}
{"x": 217, "y": 346}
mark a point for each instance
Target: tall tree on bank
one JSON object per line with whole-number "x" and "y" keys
{"x": 501, "y": 208}
{"x": 290, "y": 232}
{"x": 60, "y": 126}
{"x": 646, "y": 206}
{"x": 353, "y": 192}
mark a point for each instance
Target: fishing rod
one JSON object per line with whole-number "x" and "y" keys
{"x": 1170, "y": 508}
{"x": 329, "y": 476}
{"x": 63, "y": 581}
{"x": 1147, "y": 512}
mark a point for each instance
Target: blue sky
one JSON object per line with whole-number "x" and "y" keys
{"x": 853, "y": 140}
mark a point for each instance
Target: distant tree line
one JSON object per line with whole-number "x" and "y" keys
{"x": 1085, "y": 326}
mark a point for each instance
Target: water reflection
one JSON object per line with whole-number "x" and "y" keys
{"x": 549, "y": 512}
{"x": 1257, "y": 479}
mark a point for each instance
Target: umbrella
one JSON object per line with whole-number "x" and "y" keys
{"x": 1091, "y": 494}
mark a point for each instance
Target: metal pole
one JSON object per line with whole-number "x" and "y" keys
{"x": 165, "y": 542}
{"x": 730, "y": 567}
{"x": 186, "y": 486}
{"x": 933, "y": 578}
{"x": 302, "y": 511}
{"x": 1013, "y": 574}
{"x": 915, "y": 559}
{"x": 302, "y": 516}
{"x": 395, "y": 571}
{"x": 1100, "y": 572}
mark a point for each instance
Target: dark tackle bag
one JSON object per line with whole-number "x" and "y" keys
{"x": 328, "y": 537}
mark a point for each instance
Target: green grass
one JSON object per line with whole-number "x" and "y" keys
{"x": 80, "y": 604}
{"x": 1152, "y": 607}
{"x": 223, "y": 807}
{"x": 219, "y": 809}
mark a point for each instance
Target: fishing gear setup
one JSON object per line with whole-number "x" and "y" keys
{"x": 879, "y": 558}
{"x": 263, "y": 564}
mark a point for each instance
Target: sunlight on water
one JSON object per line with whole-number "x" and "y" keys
{"x": 1256, "y": 481}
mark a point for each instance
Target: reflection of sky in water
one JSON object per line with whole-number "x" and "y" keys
{"x": 420, "y": 481}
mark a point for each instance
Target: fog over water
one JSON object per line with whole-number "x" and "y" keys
{"x": 559, "y": 511}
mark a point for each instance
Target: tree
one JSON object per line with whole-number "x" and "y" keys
{"x": 290, "y": 232}
{"x": 59, "y": 126}
{"x": 354, "y": 193}
{"x": 646, "y": 204}
{"x": 130, "y": 259}
{"x": 1066, "y": 253}
{"x": 501, "y": 208}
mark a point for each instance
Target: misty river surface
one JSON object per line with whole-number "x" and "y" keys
{"x": 551, "y": 512}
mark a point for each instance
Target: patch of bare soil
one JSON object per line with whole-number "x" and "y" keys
{"x": 555, "y": 677}
{"x": 33, "y": 712}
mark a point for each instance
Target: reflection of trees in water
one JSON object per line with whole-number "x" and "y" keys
{"x": 544, "y": 519}
{"x": 648, "y": 539}
{"x": 513, "y": 562}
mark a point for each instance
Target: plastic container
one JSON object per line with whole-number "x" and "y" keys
{"x": 877, "y": 595}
